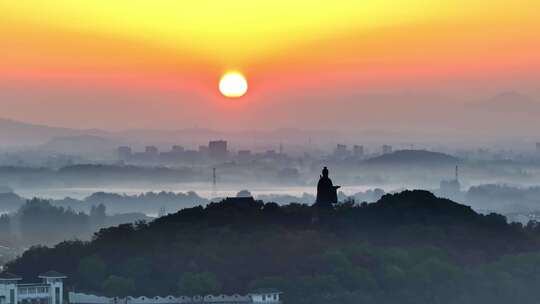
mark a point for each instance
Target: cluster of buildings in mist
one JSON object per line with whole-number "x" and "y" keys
{"x": 218, "y": 151}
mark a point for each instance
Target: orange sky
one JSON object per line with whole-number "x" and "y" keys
{"x": 65, "y": 62}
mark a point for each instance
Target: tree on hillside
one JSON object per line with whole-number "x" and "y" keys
{"x": 117, "y": 286}
{"x": 5, "y": 227}
{"x": 202, "y": 283}
{"x": 41, "y": 222}
{"x": 92, "y": 271}
{"x": 98, "y": 214}
{"x": 409, "y": 247}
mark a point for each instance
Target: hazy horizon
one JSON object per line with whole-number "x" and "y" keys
{"x": 343, "y": 66}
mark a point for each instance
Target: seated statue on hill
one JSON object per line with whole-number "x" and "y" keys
{"x": 326, "y": 191}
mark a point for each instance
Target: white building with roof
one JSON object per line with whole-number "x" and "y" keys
{"x": 49, "y": 291}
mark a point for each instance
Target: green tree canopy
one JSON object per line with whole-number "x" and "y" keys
{"x": 202, "y": 283}
{"x": 116, "y": 286}
{"x": 92, "y": 271}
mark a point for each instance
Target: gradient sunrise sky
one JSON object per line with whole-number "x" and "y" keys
{"x": 156, "y": 64}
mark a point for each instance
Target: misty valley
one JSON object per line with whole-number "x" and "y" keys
{"x": 110, "y": 227}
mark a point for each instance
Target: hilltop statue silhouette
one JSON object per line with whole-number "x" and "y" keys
{"x": 326, "y": 191}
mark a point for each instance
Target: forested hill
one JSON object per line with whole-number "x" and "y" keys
{"x": 409, "y": 247}
{"x": 412, "y": 157}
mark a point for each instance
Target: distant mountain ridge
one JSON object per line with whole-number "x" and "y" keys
{"x": 412, "y": 157}
{"x": 16, "y": 133}
{"x": 510, "y": 101}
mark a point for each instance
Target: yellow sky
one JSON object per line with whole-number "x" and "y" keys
{"x": 228, "y": 32}
{"x": 282, "y": 42}
{"x": 79, "y": 57}
{"x": 236, "y": 32}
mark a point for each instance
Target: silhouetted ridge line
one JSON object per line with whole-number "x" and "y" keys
{"x": 240, "y": 244}
{"x": 412, "y": 156}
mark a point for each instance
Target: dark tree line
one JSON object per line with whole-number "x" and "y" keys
{"x": 149, "y": 202}
{"x": 409, "y": 247}
{"x": 37, "y": 221}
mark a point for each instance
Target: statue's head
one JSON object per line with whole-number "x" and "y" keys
{"x": 325, "y": 172}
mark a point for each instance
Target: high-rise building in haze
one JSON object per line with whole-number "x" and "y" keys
{"x": 151, "y": 150}
{"x": 124, "y": 153}
{"x": 341, "y": 151}
{"x": 217, "y": 149}
{"x": 244, "y": 155}
{"x": 358, "y": 151}
{"x": 386, "y": 149}
{"x": 177, "y": 149}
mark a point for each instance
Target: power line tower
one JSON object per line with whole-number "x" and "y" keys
{"x": 214, "y": 183}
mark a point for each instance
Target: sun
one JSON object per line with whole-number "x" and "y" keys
{"x": 233, "y": 85}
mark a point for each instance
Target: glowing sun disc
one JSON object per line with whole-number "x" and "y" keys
{"x": 233, "y": 85}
